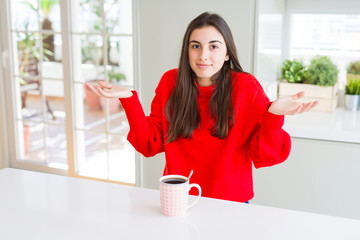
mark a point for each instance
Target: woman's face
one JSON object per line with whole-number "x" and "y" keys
{"x": 207, "y": 53}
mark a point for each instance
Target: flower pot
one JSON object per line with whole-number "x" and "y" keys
{"x": 92, "y": 100}
{"x": 352, "y": 102}
{"x": 114, "y": 104}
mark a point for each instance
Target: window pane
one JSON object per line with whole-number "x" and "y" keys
{"x": 93, "y": 155}
{"x": 56, "y": 146}
{"x": 121, "y": 56}
{"x": 269, "y": 47}
{"x": 28, "y": 53}
{"x": 89, "y": 113}
{"x": 50, "y": 15}
{"x": 54, "y": 101}
{"x": 87, "y": 16}
{"x": 118, "y": 16}
{"x": 31, "y": 101}
{"x": 121, "y": 160}
{"x": 333, "y": 35}
{"x": 91, "y": 51}
{"x": 119, "y": 124}
{"x": 36, "y": 144}
{"x": 24, "y": 16}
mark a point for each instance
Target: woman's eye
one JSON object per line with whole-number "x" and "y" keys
{"x": 214, "y": 47}
{"x": 195, "y": 46}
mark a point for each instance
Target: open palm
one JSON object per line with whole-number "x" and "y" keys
{"x": 107, "y": 90}
{"x": 288, "y": 105}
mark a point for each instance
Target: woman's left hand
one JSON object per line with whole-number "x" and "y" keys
{"x": 287, "y": 105}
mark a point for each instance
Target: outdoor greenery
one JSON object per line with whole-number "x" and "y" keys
{"x": 353, "y": 87}
{"x": 115, "y": 76}
{"x": 354, "y": 67}
{"x": 293, "y": 71}
{"x": 321, "y": 71}
{"x": 48, "y": 39}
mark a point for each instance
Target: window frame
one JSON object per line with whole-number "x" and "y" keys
{"x": 8, "y": 151}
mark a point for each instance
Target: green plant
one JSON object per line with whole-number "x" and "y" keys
{"x": 48, "y": 39}
{"x": 354, "y": 67}
{"x": 293, "y": 71}
{"x": 116, "y": 76}
{"x": 353, "y": 87}
{"x": 321, "y": 71}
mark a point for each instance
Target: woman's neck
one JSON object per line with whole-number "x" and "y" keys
{"x": 204, "y": 82}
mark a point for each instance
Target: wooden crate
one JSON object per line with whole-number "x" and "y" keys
{"x": 327, "y": 96}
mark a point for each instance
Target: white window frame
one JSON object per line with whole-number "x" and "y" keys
{"x": 7, "y": 121}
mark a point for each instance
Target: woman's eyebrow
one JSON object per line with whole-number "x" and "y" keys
{"x": 213, "y": 41}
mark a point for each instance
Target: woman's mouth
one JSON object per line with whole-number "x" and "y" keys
{"x": 203, "y": 66}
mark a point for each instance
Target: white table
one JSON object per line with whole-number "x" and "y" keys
{"x": 44, "y": 206}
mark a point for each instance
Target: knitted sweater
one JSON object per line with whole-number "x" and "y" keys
{"x": 222, "y": 167}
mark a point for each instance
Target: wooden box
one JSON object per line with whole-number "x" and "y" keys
{"x": 327, "y": 96}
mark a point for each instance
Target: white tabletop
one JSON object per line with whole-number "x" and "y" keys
{"x": 44, "y": 206}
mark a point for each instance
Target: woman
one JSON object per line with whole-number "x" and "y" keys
{"x": 210, "y": 116}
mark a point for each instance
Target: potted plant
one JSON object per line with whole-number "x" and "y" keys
{"x": 318, "y": 80}
{"x": 293, "y": 71}
{"x": 353, "y": 70}
{"x": 352, "y": 94}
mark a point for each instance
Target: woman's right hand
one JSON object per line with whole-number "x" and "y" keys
{"x": 107, "y": 90}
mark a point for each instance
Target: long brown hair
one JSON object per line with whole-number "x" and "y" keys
{"x": 182, "y": 109}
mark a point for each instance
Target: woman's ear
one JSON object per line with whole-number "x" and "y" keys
{"x": 227, "y": 57}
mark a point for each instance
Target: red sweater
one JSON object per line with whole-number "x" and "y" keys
{"x": 222, "y": 167}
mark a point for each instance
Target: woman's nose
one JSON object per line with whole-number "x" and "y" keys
{"x": 204, "y": 54}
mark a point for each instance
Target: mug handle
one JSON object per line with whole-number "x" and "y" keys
{"x": 199, "y": 195}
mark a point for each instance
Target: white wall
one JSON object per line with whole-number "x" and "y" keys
{"x": 162, "y": 26}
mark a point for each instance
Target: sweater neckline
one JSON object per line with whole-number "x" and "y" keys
{"x": 204, "y": 89}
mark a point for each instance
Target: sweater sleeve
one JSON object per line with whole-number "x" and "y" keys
{"x": 145, "y": 133}
{"x": 269, "y": 144}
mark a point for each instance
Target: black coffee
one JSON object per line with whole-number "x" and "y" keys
{"x": 174, "y": 181}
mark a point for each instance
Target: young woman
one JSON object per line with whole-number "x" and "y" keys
{"x": 210, "y": 116}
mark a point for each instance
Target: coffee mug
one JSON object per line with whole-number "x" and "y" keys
{"x": 174, "y": 192}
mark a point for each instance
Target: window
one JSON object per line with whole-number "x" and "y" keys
{"x": 333, "y": 35}
{"x": 58, "y": 125}
{"x": 302, "y": 29}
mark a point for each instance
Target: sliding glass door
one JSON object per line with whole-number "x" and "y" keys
{"x": 53, "y": 48}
